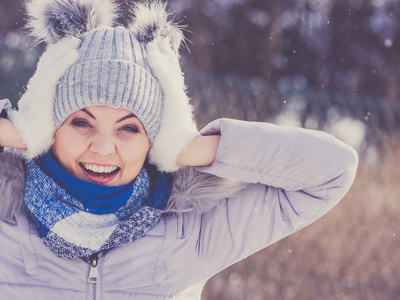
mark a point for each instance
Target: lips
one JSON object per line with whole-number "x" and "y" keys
{"x": 100, "y": 174}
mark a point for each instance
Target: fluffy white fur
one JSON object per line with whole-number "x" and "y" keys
{"x": 177, "y": 128}
{"x": 52, "y": 20}
{"x": 192, "y": 190}
{"x": 152, "y": 22}
{"x": 34, "y": 119}
{"x": 163, "y": 39}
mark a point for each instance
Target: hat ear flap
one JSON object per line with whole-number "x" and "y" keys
{"x": 52, "y": 20}
{"x": 152, "y": 21}
{"x": 162, "y": 38}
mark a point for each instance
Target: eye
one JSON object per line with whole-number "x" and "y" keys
{"x": 130, "y": 129}
{"x": 82, "y": 123}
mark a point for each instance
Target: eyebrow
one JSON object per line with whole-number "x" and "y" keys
{"x": 126, "y": 117}
{"x": 87, "y": 112}
{"x": 120, "y": 120}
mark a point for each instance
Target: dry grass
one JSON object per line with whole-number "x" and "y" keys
{"x": 351, "y": 253}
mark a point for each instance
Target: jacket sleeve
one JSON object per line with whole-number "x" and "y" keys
{"x": 295, "y": 176}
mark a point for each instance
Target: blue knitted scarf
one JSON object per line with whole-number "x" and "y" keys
{"x": 76, "y": 218}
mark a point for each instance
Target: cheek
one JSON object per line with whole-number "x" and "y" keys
{"x": 67, "y": 148}
{"x": 135, "y": 152}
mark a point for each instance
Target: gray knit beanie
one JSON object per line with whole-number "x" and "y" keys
{"x": 88, "y": 61}
{"x": 111, "y": 70}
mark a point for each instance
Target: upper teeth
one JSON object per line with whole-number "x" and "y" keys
{"x": 99, "y": 169}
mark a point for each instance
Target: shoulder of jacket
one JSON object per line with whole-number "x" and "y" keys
{"x": 12, "y": 185}
{"x": 198, "y": 191}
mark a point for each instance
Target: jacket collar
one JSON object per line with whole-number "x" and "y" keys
{"x": 12, "y": 186}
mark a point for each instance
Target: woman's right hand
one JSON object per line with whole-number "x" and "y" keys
{"x": 9, "y": 135}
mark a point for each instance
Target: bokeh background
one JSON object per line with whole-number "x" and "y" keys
{"x": 329, "y": 65}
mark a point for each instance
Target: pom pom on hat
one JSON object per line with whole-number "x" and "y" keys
{"x": 152, "y": 22}
{"x": 52, "y": 20}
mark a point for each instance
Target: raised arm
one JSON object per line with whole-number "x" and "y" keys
{"x": 284, "y": 157}
{"x": 294, "y": 177}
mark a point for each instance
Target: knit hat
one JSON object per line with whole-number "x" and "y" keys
{"x": 111, "y": 70}
{"x": 90, "y": 60}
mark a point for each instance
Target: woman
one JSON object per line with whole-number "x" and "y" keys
{"x": 100, "y": 199}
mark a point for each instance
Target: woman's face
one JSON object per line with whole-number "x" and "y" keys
{"x": 102, "y": 144}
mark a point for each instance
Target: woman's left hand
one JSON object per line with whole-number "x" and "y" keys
{"x": 200, "y": 152}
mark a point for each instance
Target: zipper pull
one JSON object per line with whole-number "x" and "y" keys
{"x": 93, "y": 272}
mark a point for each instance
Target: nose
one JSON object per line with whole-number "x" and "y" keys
{"x": 102, "y": 144}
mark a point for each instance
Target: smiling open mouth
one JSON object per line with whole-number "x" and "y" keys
{"x": 99, "y": 171}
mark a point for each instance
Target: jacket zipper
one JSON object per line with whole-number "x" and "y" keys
{"x": 93, "y": 278}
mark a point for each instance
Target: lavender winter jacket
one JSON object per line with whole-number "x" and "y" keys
{"x": 293, "y": 176}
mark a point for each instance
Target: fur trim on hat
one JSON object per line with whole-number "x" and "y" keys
{"x": 178, "y": 127}
{"x": 163, "y": 38}
{"x": 52, "y": 20}
{"x": 35, "y": 117}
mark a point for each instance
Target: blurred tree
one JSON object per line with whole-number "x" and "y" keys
{"x": 386, "y": 25}
{"x": 353, "y": 45}
{"x": 322, "y": 44}
{"x": 11, "y": 16}
{"x": 232, "y": 37}
{"x": 17, "y": 59}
